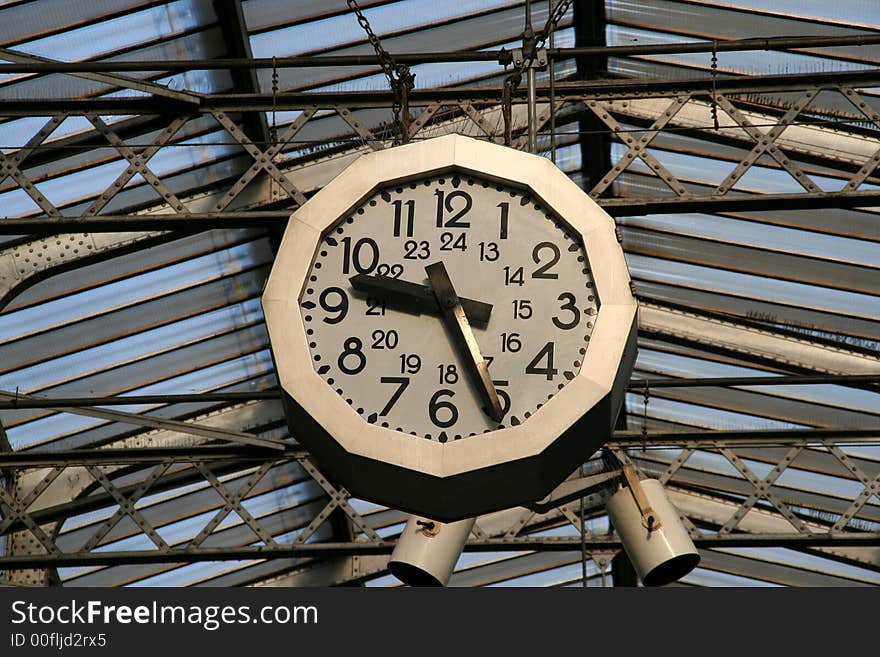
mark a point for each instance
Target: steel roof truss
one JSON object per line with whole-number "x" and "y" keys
{"x": 480, "y": 121}
{"x": 260, "y": 163}
{"x": 137, "y": 164}
{"x": 177, "y": 426}
{"x": 126, "y": 505}
{"x": 112, "y": 79}
{"x": 871, "y": 163}
{"x": 259, "y": 157}
{"x": 362, "y": 131}
{"x": 871, "y": 487}
{"x": 121, "y": 512}
{"x": 9, "y": 167}
{"x": 338, "y": 499}
{"x": 765, "y": 143}
{"x": 14, "y": 510}
{"x": 233, "y": 502}
{"x": 762, "y": 489}
{"x": 638, "y": 148}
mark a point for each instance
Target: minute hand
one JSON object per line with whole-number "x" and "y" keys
{"x": 415, "y": 298}
{"x": 456, "y": 322}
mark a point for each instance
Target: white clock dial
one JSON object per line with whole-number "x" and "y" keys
{"x": 500, "y": 246}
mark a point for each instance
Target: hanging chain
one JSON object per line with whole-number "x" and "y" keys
{"x": 647, "y": 397}
{"x": 400, "y": 79}
{"x": 510, "y": 84}
{"x": 532, "y": 43}
{"x": 714, "y": 69}
{"x": 274, "y": 101}
{"x": 556, "y": 15}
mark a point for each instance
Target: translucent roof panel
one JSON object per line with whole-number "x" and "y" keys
{"x": 179, "y": 312}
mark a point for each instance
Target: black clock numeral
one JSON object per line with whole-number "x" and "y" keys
{"x": 339, "y": 309}
{"x": 570, "y": 306}
{"x": 352, "y": 348}
{"x": 410, "y": 216}
{"x": 546, "y": 354}
{"x": 505, "y": 212}
{"x": 417, "y": 250}
{"x": 451, "y": 241}
{"x": 503, "y": 397}
{"x": 402, "y": 383}
{"x": 448, "y": 374}
{"x": 394, "y": 271}
{"x": 513, "y": 278}
{"x": 522, "y": 309}
{"x": 354, "y": 256}
{"x": 489, "y": 251}
{"x": 510, "y": 342}
{"x": 384, "y": 339}
{"x": 375, "y": 307}
{"x": 447, "y": 203}
{"x": 410, "y": 363}
{"x": 436, "y": 406}
{"x": 543, "y": 270}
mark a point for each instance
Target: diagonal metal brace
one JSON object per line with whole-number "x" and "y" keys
{"x": 572, "y": 489}
{"x": 649, "y": 518}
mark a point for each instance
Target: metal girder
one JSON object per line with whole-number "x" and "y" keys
{"x": 385, "y": 547}
{"x": 25, "y": 402}
{"x": 502, "y": 56}
{"x": 107, "y": 77}
{"x": 691, "y": 109}
{"x": 244, "y": 80}
{"x": 615, "y": 206}
{"x": 331, "y": 572}
{"x": 178, "y": 426}
{"x": 26, "y": 264}
{"x": 563, "y": 90}
{"x": 725, "y": 336}
{"x": 755, "y": 344}
{"x": 507, "y": 530}
{"x": 638, "y": 206}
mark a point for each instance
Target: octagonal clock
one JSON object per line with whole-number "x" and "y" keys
{"x": 452, "y": 325}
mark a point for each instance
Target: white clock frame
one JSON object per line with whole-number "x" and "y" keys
{"x": 500, "y": 469}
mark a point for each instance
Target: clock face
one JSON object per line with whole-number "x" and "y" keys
{"x": 500, "y": 246}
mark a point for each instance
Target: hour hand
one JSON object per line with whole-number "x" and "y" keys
{"x": 415, "y": 298}
{"x": 463, "y": 338}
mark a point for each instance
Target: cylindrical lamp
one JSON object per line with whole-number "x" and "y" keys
{"x": 427, "y": 551}
{"x": 653, "y": 536}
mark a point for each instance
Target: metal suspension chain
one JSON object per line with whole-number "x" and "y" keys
{"x": 532, "y": 43}
{"x": 510, "y": 85}
{"x": 556, "y": 15}
{"x": 400, "y": 79}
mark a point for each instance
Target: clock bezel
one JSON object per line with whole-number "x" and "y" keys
{"x": 319, "y": 417}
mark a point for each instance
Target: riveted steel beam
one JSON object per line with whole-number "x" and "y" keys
{"x": 502, "y": 56}
{"x": 363, "y": 548}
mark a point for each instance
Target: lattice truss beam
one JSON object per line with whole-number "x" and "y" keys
{"x": 100, "y": 509}
{"x": 92, "y": 511}
{"x": 806, "y": 126}
{"x": 805, "y": 141}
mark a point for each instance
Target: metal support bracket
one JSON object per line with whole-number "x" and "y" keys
{"x": 572, "y": 489}
{"x": 539, "y": 61}
{"x": 649, "y": 518}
